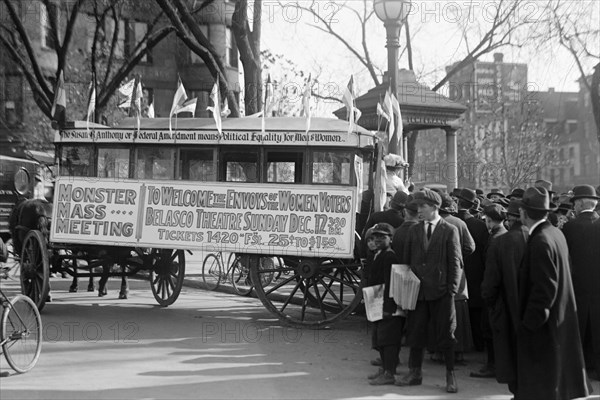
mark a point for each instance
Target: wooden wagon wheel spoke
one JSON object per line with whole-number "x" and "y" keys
{"x": 290, "y": 297}
{"x": 306, "y": 304}
{"x": 167, "y": 272}
{"x": 280, "y": 284}
{"x": 35, "y": 268}
{"x": 328, "y": 290}
{"x": 304, "y": 301}
{"x": 318, "y": 296}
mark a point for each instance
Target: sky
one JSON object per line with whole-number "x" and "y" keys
{"x": 436, "y": 41}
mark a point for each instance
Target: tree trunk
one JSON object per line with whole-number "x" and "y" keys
{"x": 595, "y": 98}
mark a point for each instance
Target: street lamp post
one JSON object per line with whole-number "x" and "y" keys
{"x": 392, "y": 13}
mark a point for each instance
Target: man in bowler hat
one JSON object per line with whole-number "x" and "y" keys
{"x": 549, "y": 354}
{"x": 434, "y": 255}
{"x": 583, "y": 239}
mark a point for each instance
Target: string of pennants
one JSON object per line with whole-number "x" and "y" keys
{"x": 131, "y": 95}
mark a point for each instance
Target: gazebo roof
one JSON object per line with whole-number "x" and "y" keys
{"x": 421, "y": 108}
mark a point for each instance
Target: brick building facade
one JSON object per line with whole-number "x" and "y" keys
{"x": 19, "y": 114}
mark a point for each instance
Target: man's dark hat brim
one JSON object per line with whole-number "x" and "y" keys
{"x": 552, "y": 206}
{"x": 465, "y": 199}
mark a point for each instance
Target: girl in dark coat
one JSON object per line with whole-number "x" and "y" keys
{"x": 387, "y": 332}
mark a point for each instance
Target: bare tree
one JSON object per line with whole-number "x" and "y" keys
{"x": 515, "y": 144}
{"x": 186, "y": 17}
{"x": 248, "y": 42}
{"x": 575, "y": 26}
{"x": 503, "y": 26}
{"x": 110, "y": 72}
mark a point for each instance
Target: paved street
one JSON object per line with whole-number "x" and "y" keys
{"x": 207, "y": 345}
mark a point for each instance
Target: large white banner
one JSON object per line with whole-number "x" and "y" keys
{"x": 252, "y": 218}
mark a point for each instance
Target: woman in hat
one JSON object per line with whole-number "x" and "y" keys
{"x": 387, "y": 332}
{"x": 394, "y": 164}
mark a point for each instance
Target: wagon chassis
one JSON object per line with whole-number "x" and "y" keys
{"x": 166, "y": 267}
{"x": 309, "y": 292}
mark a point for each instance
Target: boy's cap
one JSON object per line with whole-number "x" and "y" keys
{"x": 383, "y": 229}
{"x": 427, "y": 196}
{"x": 495, "y": 211}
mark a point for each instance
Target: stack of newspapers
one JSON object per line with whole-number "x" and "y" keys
{"x": 404, "y": 286}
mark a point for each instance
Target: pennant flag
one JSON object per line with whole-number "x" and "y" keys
{"x": 215, "y": 96}
{"x": 188, "y": 106}
{"x": 178, "y": 100}
{"x": 127, "y": 91}
{"x": 381, "y": 112}
{"x": 266, "y": 103}
{"x": 348, "y": 99}
{"x": 225, "y": 111}
{"x": 396, "y": 109}
{"x": 137, "y": 103}
{"x": 151, "y": 110}
{"x": 388, "y": 107}
{"x": 59, "y": 105}
{"x": 306, "y": 101}
{"x": 91, "y": 101}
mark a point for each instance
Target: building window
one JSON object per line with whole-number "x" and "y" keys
{"x": 571, "y": 127}
{"x": 195, "y": 58}
{"x": 231, "y": 52}
{"x": 572, "y": 171}
{"x": 551, "y": 127}
{"x": 11, "y": 99}
{"x": 119, "y": 51}
{"x": 571, "y": 153}
{"x": 561, "y": 154}
{"x": 47, "y": 39}
{"x": 140, "y": 30}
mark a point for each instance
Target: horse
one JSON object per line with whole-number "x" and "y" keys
{"x": 28, "y": 214}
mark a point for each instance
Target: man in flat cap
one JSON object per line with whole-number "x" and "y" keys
{"x": 499, "y": 290}
{"x": 583, "y": 239}
{"x": 434, "y": 255}
{"x": 549, "y": 353}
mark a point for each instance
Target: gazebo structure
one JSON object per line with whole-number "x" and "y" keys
{"x": 421, "y": 109}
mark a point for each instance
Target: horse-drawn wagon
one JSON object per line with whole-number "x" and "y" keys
{"x": 140, "y": 198}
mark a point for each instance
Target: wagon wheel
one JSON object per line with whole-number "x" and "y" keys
{"x": 167, "y": 270}
{"x": 35, "y": 268}
{"x": 316, "y": 293}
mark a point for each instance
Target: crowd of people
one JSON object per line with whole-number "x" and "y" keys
{"x": 516, "y": 276}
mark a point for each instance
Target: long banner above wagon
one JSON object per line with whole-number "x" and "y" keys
{"x": 260, "y": 219}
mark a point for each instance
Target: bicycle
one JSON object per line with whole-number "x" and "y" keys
{"x": 21, "y": 333}
{"x": 237, "y": 268}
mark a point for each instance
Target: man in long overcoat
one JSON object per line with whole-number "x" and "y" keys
{"x": 500, "y": 292}
{"x": 474, "y": 262}
{"x": 549, "y": 353}
{"x": 583, "y": 239}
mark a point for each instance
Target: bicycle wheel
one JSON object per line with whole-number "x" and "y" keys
{"x": 211, "y": 271}
{"x": 240, "y": 278}
{"x": 22, "y": 330}
{"x": 267, "y": 264}
{"x": 230, "y": 260}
